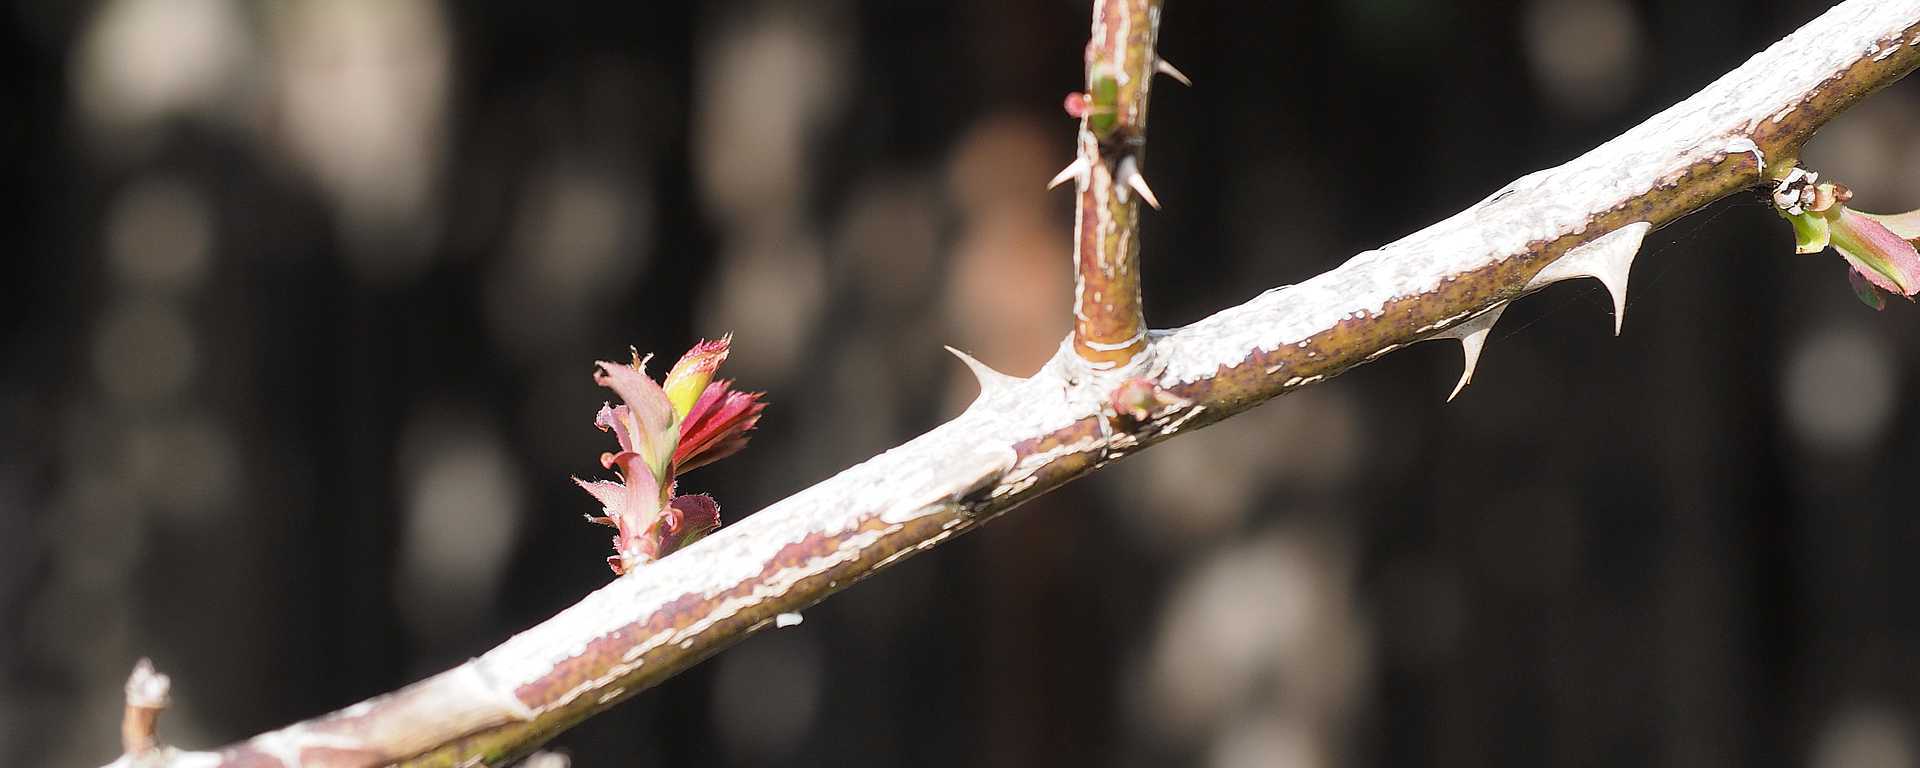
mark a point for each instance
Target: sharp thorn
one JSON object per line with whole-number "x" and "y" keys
{"x": 1465, "y": 376}
{"x": 1473, "y": 339}
{"x": 1074, "y": 170}
{"x": 1166, "y": 68}
{"x": 1130, "y": 175}
{"x": 990, "y": 380}
{"x": 1616, "y": 283}
{"x": 1139, "y": 184}
{"x": 1608, "y": 259}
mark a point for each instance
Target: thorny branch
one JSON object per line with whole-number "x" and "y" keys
{"x": 1024, "y": 437}
{"x": 1108, "y": 327}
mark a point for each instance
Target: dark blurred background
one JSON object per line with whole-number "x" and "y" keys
{"x": 304, "y": 297}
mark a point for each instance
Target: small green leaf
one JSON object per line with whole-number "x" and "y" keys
{"x": 1103, "y": 97}
{"x": 1811, "y": 232}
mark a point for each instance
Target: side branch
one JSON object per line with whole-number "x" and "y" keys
{"x": 1024, "y": 437}
{"x": 1108, "y": 328}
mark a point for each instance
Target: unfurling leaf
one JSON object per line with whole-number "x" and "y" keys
{"x": 645, "y": 424}
{"x": 717, "y": 426}
{"x": 1882, "y": 252}
{"x": 663, "y": 431}
{"x": 689, "y": 519}
{"x": 1876, "y": 253}
{"x": 689, "y": 377}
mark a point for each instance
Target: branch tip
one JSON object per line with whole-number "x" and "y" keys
{"x": 148, "y": 694}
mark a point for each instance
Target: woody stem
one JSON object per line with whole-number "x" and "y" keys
{"x": 1109, "y": 329}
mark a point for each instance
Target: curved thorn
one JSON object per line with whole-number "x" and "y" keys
{"x": 1166, "y": 68}
{"x": 1608, "y": 259}
{"x": 1619, "y": 292}
{"x": 1473, "y": 339}
{"x": 991, "y": 381}
{"x": 1131, "y": 177}
{"x": 1139, "y": 184}
{"x": 1074, "y": 170}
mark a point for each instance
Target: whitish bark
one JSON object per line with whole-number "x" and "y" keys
{"x": 1024, "y": 437}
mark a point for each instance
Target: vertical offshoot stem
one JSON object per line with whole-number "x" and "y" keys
{"x": 1109, "y": 330}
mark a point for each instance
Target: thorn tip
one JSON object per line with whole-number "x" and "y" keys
{"x": 1165, "y": 67}
{"x": 1130, "y": 176}
{"x": 1619, "y": 293}
{"x": 990, "y": 380}
{"x": 1473, "y": 340}
{"x": 1608, "y": 259}
{"x": 1075, "y": 170}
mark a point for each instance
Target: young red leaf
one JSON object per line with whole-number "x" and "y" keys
{"x": 662, "y": 431}
{"x": 689, "y": 519}
{"x": 717, "y": 425}
{"x": 633, "y": 508}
